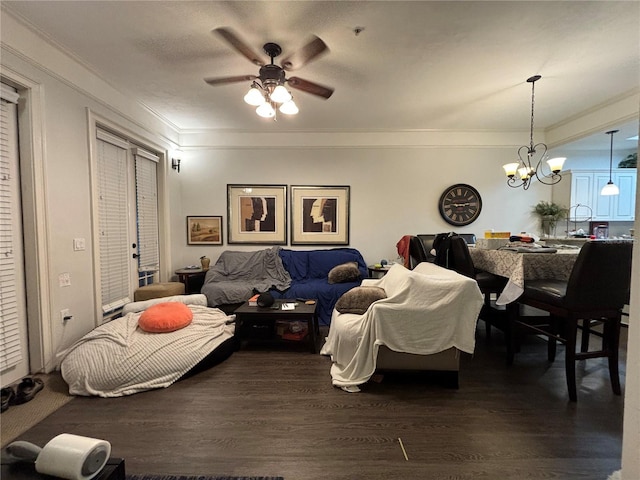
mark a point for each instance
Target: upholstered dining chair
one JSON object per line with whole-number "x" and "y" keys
{"x": 427, "y": 242}
{"x": 597, "y": 289}
{"x": 459, "y": 259}
{"x": 417, "y": 252}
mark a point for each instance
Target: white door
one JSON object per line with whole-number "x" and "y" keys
{"x": 127, "y": 212}
{"x": 14, "y": 347}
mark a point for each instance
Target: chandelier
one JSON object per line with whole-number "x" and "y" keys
{"x": 530, "y": 164}
{"x": 610, "y": 188}
{"x": 267, "y": 92}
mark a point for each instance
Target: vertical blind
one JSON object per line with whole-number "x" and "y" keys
{"x": 113, "y": 220}
{"x": 115, "y": 207}
{"x": 147, "y": 210}
{"x": 10, "y": 351}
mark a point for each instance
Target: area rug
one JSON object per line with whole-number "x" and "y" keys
{"x": 181, "y": 477}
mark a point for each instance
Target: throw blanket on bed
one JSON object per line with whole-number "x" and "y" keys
{"x": 236, "y": 276}
{"x": 118, "y": 358}
{"x": 427, "y": 310}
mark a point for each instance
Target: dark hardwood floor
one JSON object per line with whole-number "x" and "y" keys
{"x": 269, "y": 411}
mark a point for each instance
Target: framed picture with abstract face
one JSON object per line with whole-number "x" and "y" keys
{"x": 257, "y": 214}
{"x": 319, "y": 215}
{"x": 204, "y": 230}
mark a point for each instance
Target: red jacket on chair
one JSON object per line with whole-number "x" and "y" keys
{"x": 403, "y": 249}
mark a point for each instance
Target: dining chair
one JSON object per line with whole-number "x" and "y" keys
{"x": 459, "y": 259}
{"x": 417, "y": 252}
{"x": 470, "y": 238}
{"x": 597, "y": 289}
{"x": 427, "y": 241}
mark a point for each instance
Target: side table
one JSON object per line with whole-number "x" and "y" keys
{"x": 377, "y": 272}
{"x": 113, "y": 470}
{"x": 193, "y": 278}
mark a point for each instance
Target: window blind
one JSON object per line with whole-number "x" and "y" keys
{"x": 10, "y": 343}
{"x": 112, "y": 179}
{"x": 147, "y": 210}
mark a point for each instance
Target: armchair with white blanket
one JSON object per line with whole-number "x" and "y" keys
{"x": 427, "y": 311}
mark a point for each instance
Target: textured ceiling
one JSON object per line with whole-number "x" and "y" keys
{"x": 416, "y": 65}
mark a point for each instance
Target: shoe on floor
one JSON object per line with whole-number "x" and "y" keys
{"x": 8, "y": 397}
{"x": 27, "y": 389}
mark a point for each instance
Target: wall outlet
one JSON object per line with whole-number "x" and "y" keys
{"x": 65, "y": 315}
{"x": 64, "y": 279}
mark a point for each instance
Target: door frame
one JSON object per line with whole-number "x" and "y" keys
{"x": 95, "y": 121}
{"x": 34, "y": 218}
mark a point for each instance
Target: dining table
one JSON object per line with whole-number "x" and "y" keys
{"x": 519, "y": 267}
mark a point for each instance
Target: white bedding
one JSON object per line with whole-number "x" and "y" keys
{"x": 427, "y": 310}
{"x": 118, "y": 358}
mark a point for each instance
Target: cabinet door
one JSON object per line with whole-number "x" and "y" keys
{"x": 602, "y": 204}
{"x": 625, "y": 203}
{"x": 581, "y": 189}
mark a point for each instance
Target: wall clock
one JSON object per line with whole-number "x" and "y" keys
{"x": 460, "y": 204}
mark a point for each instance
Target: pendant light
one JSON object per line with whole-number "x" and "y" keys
{"x": 610, "y": 188}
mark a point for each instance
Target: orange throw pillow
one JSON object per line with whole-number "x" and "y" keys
{"x": 165, "y": 317}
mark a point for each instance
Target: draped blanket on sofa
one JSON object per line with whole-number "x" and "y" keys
{"x": 237, "y": 275}
{"x": 427, "y": 310}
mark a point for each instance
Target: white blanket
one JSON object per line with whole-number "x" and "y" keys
{"x": 427, "y": 310}
{"x": 118, "y": 358}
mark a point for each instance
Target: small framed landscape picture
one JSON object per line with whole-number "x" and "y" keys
{"x": 257, "y": 214}
{"x": 204, "y": 230}
{"x": 319, "y": 215}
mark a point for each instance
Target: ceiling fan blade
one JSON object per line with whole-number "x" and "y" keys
{"x": 303, "y": 56}
{"x": 310, "y": 87}
{"x": 225, "y": 80}
{"x": 234, "y": 40}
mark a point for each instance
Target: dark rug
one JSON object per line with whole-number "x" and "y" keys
{"x": 201, "y": 477}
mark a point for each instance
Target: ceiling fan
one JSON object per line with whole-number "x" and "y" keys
{"x": 268, "y": 87}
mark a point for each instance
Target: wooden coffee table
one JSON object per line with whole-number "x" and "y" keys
{"x": 259, "y": 323}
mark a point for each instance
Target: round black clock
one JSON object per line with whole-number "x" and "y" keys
{"x": 460, "y": 204}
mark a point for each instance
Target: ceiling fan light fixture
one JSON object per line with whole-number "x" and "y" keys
{"x": 266, "y": 110}
{"x": 254, "y": 97}
{"x": 270, "y": 88}
{"x": 280, "y": 94}
{"x": 289, "y": 108}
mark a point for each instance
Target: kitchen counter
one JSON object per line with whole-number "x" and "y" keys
{"x": 578, "y": 242}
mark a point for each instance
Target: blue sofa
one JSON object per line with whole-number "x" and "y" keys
{"x": 285, "y": 273}
{"x": 309, "y": 270}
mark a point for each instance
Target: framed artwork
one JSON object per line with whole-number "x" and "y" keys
{"x": 319, "y": 215}
{"x": 204, "y": 230}
{"x": 257, "y": 214}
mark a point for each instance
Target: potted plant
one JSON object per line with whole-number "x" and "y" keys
{"x": 549, "y": 213}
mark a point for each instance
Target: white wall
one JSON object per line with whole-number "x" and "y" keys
{"x": 394, "y": 191}
{"x": 65, "y": 187}
{"x": 395, "y": 178}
